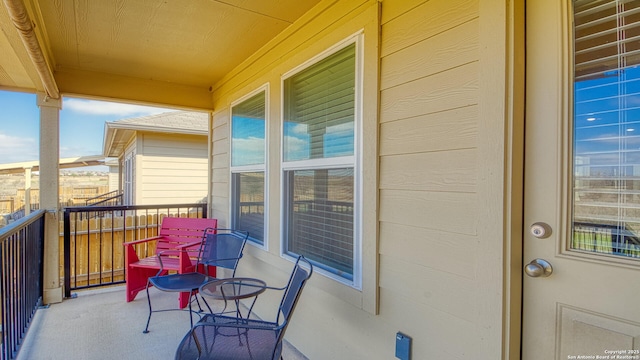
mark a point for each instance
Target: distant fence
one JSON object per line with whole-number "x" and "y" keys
{"x": 21, "y": 267}
{"x": 92, "y": 237}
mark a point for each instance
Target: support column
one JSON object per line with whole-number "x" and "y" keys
{"x": 27, "y": 191}
{"x": 49, "y": 198}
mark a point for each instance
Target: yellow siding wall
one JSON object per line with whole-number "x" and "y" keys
{"x": 433, "y": 255}
{"x": 171, "y": 169}
{"x": 428, "y": 173}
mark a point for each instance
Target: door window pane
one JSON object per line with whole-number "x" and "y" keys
{"x": 606, "y": 195}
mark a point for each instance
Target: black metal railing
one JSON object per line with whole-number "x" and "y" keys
{"x": 19, "y": 213}
{"x": 93, "y": 237}
{"x": 112, "y": 198}
{"x": 21, "y": 268}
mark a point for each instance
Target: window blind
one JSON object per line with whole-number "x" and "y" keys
{"x": 607, "y": 36}
{"x": 606, "y": 196}
{"x": 254, "y": 107}
{"x": 320, "y": 108}
{"x": 320, "y": 217}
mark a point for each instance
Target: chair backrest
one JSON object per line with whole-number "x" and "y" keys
{"x": 176, "y": 231}
{"x": 223, "y": 248}
{"x": 298, "y": 279}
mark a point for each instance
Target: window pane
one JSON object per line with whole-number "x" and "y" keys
{"x": 249, "y": 204}
{"x": 320, "y": 218}
{"x": 319, "y": 108}
{"x": 247, "y": 131}
{"x": 606, "y": 194}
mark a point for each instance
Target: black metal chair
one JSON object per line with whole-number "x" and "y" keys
{"x": 221, "y": 248}
{"x": 218, "y": 336}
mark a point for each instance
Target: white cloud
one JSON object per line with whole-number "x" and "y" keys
{"x": 299, "y": 129}
{"x": 248, "y": 151}
{"x": 342, "y": 129}
{"x": 94, "y": 107}
{"x": 17, "y": 149}
{"x": 296, "y": 148}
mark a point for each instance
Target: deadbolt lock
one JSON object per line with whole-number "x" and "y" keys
{"x": 540, "y": 230}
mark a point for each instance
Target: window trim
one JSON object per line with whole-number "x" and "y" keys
{"x": 354, "y": 161}
{"x": 252, "y": 168}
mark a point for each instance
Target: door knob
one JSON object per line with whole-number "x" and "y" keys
{"x": 538, "y": 268}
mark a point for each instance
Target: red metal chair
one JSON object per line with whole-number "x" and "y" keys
{"x": 177, "y": 241}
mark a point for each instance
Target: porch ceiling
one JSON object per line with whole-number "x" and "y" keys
{"x": 148, "y": 51}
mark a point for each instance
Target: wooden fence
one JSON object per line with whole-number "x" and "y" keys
{"x": 97, "y": 253}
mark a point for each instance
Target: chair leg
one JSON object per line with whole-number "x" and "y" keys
{"x": 207, "y": 304}
{"x": 195, "y": 296}
{"x": 146, "y": 329}
{"x": 190, "y": 312}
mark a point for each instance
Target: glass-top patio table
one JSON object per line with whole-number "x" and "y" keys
{"x": 235, "y": 289}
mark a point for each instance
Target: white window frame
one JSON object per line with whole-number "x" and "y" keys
{"x": 252, "y": 168}
{"x": 128, "y": 177}
{"x": 354, "y": 161}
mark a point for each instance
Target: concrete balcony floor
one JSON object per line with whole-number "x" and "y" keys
{"x": 100, "y": 324}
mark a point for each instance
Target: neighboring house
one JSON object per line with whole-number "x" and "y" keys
{"x": 162, "y": 158}
{"x": 114, "y": 175}
{"x": 421, "y": 152}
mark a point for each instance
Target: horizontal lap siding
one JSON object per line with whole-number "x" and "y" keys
{"x": 428, "y": 176}
{"x": 435, "y": 334}
{"x": 429, "y": 172}
{"x": 173, "y": 169}
{"x": 220, "y": 175}
{"x": 341, "y": 315}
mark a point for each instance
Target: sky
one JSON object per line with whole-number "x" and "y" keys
{"x": 81, "y": 125}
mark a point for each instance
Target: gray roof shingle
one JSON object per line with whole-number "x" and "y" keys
{"x": 174, "y": 121}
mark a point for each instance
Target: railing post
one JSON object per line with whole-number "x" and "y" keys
{"x": 3, "y": 308}
{"x": 67, "y": 253}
